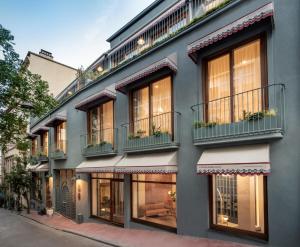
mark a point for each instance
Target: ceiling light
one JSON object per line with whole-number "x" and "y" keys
{"x": 100, "y": 69}
{"x": 141, "y": 41}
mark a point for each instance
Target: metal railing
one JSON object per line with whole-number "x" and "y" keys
{"x": 255, "y": 112}
{"x": 155, "y": 132}
{"x": 166, "y": 25}
{"x": 41, "y": 154}
{"x": 99, "y": 142}
{"x": 59, "y": 150}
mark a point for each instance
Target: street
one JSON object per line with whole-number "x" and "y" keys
{"x": 18, "y": 231}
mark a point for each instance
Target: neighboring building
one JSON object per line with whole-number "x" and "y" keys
{"x": 58, "y": 75}
{"x": 191, "y": 125}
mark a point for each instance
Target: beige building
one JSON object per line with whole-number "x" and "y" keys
{"x": 58, "y": 75}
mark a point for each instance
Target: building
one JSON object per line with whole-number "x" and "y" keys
{"x": 190, "y": 125}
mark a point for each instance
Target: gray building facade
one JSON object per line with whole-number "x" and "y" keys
{"x": 226, "y": 116}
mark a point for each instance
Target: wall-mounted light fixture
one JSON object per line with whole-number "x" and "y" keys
{"x": 100, "y": 69}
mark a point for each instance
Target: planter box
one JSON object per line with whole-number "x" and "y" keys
{"x": 261, "y": 126}
{"x": 149, "y": 141}
{"x": 58, "y": 155}
{"x": 98, "y": 149}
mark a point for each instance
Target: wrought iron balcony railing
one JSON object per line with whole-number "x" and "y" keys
{"x": 169, "y": 23}
{"x": 157, "y": 132}
{"x": 59, "y": 150}
{"x": 254, "y": 114}
{"x": 99, "y": 142}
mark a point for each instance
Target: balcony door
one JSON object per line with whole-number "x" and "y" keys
{"x": 235, "y": 84}
{"x": 152, "y": 108}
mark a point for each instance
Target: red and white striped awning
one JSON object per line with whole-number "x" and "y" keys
{"x": 164, "y": 63}
{"x": 232, "y": 28}
{"x": 154, "y": 163}
{"x": 95, "y": 99}
{"x": 244, "y": 159}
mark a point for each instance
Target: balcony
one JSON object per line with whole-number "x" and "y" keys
{"x": 58, "y": 151}
{"x": 99, "y": 143}
{"x": 158, "y": 132}
{"x": 257, "y": 115}
{"x": 171, "y": 22}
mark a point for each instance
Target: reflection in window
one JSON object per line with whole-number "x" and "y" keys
{"x": 44, "y": 146}
{"x": 61, "y": 137}
{"x": 154, "y": 198}
{"x": 238, "y": 202}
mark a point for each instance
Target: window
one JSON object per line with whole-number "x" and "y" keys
{"x": 154, "y": 199}
{"x": 108, "y": 196}
{"x": 234, "y": 84}
{"x": 61, "y": 137}
{"x": 238, "y": 202}
{"x": 100, "y": 124}
{"x": 44, "y": 143}
{"x": 152, "y": 108}
{"x": 34, "y": 147}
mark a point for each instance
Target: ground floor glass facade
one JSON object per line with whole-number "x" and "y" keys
{"x": 154, "y": 199}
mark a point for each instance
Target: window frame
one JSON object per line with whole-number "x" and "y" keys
{"x": 230, "y": 50}
{"x": 56, "y": 139}
{"x": 111, "y": 180}
{"x": 88, "y": 115}
{"x": 149, "y": 85}
{"x": 144, "y": 222}
{"x": 239, "y": 232}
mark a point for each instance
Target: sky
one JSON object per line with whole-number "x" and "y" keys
{"x": 75, "y": 31}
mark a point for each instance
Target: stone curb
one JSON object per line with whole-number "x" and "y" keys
{"x": 74, "y": 233}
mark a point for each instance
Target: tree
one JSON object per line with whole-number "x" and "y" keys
{"x": 22, "y": 94}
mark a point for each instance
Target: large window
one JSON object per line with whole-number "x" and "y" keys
{"x": 108, "y": 196}
{"x": 100, "y": 124}
{"x": 44, "y": 143}
{"x": 152, "y": 108}
{"x": 154, "y": 198}
{"x": 61, "y": 137}
{"x": 34, "y": 144}
{"x": 234, "y": 84}
{"x": 238, "y": 202}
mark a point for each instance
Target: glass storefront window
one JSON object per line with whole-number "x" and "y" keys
{"x": 154, "y": 198}
{"x": 238, "y": 202}
{"x": 108, "y": 196}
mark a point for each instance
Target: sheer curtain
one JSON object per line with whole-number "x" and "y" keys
{"x": 218, "y": 75}
{"x": 161, "y": 105}
{"x": 141, "y": 111}
{"x": 247, "y": 78}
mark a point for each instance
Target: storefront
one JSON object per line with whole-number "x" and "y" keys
{"x": 238, "y": 193}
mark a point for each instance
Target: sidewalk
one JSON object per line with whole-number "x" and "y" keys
{"x": 121, "y": 237}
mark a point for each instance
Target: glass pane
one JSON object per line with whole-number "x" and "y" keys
{"x": 94, "y": 197}
{"x": 104, "y": 198}
{"x": 161, "y": 105}
{"x": 118, "y": 202}
{"x": 94, "y": 126}
{"x": 155, "y": 177}
{"x": 247, "y": 78}
{"x": 155, "y": 202}
{"x": 61, "y": 137}
{"x": 107, "y": 118}
{"x": 45, "y": 143}
{"x": 141, "y": 112}
{"x": 239, "y": 202}
{"x": 218, "y": 75}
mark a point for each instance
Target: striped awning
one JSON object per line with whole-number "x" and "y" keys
{"x": 95, "y": 99}
{"x": 232, "y": 28}
{"x": 245, "y": 159}
{"x": 32, "y": 168}
{"x": 98, "y": 165}
{"x": 56, "y": 119}
{"x": 155, "y": 163}
{"x": 167, "y": 62}
{"x": 42, "y": 168}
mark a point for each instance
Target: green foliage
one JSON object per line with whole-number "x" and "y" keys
{"x": 22, "y": 94}
{"x": 201, "y": 124}
{"x": 252, "y": 116}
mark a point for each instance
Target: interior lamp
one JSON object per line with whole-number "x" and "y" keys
{"x": 141, "y": 41}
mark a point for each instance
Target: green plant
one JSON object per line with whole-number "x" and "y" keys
{"x": 103, "y": 143}
{"x": 251, "y": 116}
{"x": 202, "y": 124}
{"x": 172, "y": 195}
{"x": 133, "y": 136}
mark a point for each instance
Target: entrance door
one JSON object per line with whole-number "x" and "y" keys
{"x": 104, "y": 196}
{"x": 118, "y": 201}
{"x": 65, "y": 193}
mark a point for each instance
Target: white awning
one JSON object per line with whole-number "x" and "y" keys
{"x": 56, "y": 119}
{"x": 232, "y": 28}
{"x": 155, "y": 163}
{"x": 245, "y": 159}
{"x": 42, "y": 168}
{"x": 98, "y": 165}
{"x": 93, "y": 100}
{"x": 168, "y": 62}
{"x": 32, "y": 168}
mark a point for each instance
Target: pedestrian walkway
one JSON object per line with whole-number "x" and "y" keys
{"x": 117, "y": 236}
